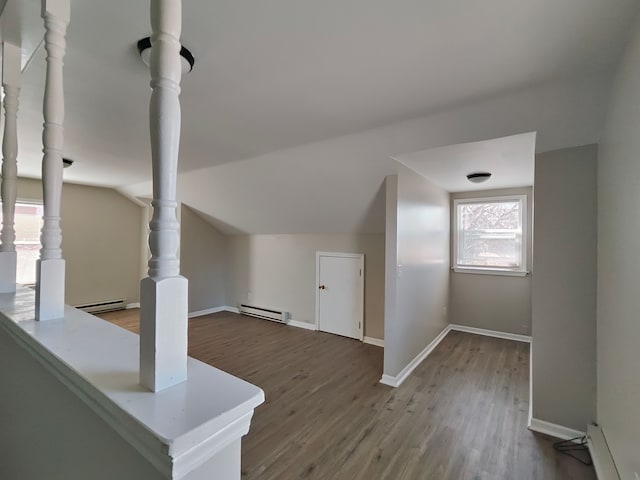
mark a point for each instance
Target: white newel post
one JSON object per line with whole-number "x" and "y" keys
{"x": 11, "y": 79}
{"x": 163, "y": 294}
{"x": 50, "y": 267}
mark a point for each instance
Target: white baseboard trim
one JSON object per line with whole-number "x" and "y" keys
{"x": 491, "y": 333}
{"x": 603, "y": 462}
{"x": 396, "y": 381}
{"x": 305, "y": 325}
{"x": 132, "y": 305}
{"x": 374, "y": 341}
{"x": 231, "y": 309}
{"x": 206, "y": 311}
{"x": 554, "y": 430}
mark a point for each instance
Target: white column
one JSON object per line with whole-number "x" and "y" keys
{"x": 11, "y": 79}
{"x": 50, "y": 267}
{"x": 163, "y": 294}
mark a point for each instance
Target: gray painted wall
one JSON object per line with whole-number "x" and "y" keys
{"x": 203, "y": 260}
{"x": 280, "y": 271}
{"x": 101, "y": 238}
{"x": 47, "y": 432}
{"x": 564, "y": 288}
{"x": 493, "y": 302}
{"x": 618, "y": 267}
{"x": 417, "y": 267}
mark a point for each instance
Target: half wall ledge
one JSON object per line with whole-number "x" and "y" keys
{"x": 177, "y": 430}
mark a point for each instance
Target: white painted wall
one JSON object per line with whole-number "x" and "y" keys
{"x": 417, "y": 267}
{"x": 48, "y": 432}
{"x": 564, "y": 288}
{"x": 101, "y": 239}
{"x": 618, "y": 267}
{"x": 203, "y": 261}
{"x": 493, "y": 302}
{"x": 279, "y": 271}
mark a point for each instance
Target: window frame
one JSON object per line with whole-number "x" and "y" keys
{"x": 519, "y": 271}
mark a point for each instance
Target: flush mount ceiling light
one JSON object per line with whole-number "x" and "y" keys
{"x": 144, "y": 49}
{"x": 66, "y": 162}
{"x": 478, "y": 177}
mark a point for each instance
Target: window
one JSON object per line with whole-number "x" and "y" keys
{"x": 28, "y": 223}
{"x": 490, "y": 235}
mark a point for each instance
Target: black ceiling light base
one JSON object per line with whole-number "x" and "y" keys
{"x": 478, "y": 177}
{"x": 144, "y": 44}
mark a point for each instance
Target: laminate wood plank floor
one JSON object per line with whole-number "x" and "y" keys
{"x": 461, "y": 415}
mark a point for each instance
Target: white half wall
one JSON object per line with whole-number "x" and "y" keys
{"x": 48, "y": 432}
{"x": 417, "y": 267}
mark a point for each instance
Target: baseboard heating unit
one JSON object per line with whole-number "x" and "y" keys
{"x": 266, "y": 313}
{"x": 106, "y": 306}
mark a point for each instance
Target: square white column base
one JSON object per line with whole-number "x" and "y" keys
{"x": 163, "y": 332}
{"x": 8, "y": 262}
{"x": 50, "y": 289}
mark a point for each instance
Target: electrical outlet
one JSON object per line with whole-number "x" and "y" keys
{"x": 444, "y": 312}
{"x": 249, "y": 296}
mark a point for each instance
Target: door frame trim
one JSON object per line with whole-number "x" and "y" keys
{"x": 359, "y": 256}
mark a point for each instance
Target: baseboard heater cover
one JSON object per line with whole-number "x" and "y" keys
{"x": 266, "y": 313}
{"x": 105, "y": 306}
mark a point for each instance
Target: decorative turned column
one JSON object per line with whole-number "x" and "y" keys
{"x": 50, "y": 268}
{"x": 163, "y": 294}
{"x": 11, "y": 79}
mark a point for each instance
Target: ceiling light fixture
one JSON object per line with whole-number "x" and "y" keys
{"x": 478, "y": 177}
{"x": 66, "y": 162}
{"x": 144, "y": 49}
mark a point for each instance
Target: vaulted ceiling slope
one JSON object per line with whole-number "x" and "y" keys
{"x": 290, "y": 81}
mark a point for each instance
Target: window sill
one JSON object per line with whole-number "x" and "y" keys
{"x": 491, "y": 271}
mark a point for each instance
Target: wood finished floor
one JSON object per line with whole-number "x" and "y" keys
{"x": 461, "y": 415}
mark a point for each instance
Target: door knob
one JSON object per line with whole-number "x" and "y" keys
{"x": 322, "y": 287}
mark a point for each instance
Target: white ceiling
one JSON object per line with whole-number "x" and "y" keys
{"x": 510, "y": 160}
{"x": 271, "y": 76}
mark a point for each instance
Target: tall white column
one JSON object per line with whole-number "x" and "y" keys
{"x": 50, "y": 267}
{"x": 11, "y": 79}
{"x": 163, "y": 294}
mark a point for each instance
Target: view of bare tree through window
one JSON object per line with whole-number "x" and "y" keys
{"x": 28, "y": 222}
{"x": 490, "y": 234}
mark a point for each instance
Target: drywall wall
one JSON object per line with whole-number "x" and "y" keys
{"x": 101, "y": 239}
{"x": 493, "y": 302}
{"x": 203, "y": 260}
{"x": 417, "y": 267}
{"x": 279, "y": 271}
{"x": 564, "y": 288}
{"x": 618, "y": 267}
{"x": 48, "y": 432}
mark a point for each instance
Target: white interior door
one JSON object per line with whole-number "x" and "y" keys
{"x": 340, "y": 293}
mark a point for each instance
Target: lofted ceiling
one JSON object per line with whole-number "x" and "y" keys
{"x": 510, "y": 160}
{"x": 275, "y": 76}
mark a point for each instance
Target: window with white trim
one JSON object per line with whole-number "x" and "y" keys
{"x": 490, "y": 235}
